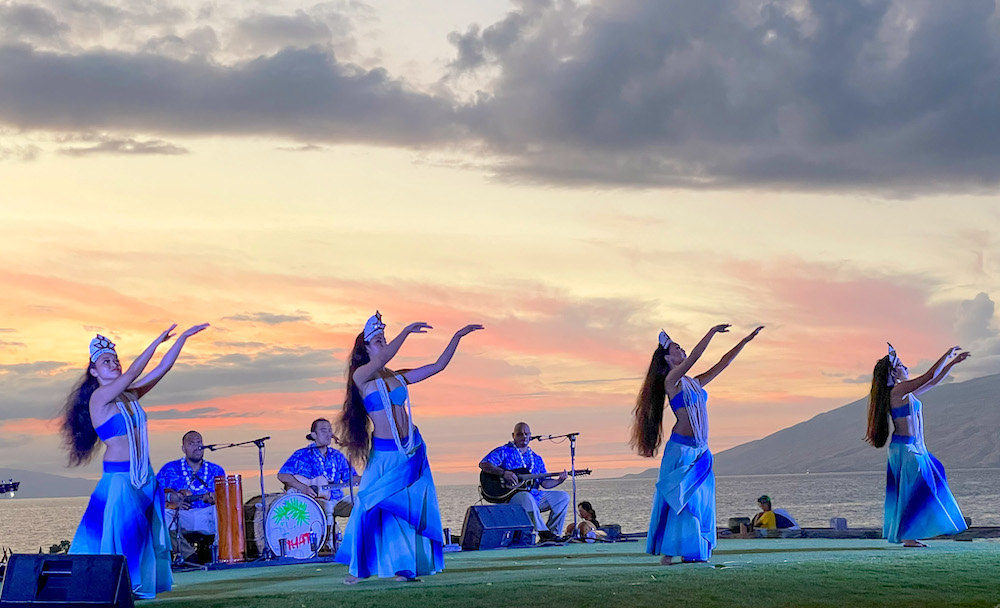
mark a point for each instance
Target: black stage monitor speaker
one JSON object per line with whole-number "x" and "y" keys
{"x": 495, "y": 526}
{"x": 63, "y": 581}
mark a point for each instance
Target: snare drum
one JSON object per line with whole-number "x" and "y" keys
{"x": 299, "y": 521}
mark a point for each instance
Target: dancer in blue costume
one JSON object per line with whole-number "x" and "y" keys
{"x": 682, "y": 523}
{"x": 918, "y": 502}
{"x": 395, "y": 528}
{"x": 125, "y": 515}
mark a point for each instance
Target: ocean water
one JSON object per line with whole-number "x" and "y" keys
{"x": 27, "y": 524}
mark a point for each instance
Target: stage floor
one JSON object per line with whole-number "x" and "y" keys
{"x": 766, "y": 573}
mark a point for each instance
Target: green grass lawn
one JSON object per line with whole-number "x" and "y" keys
{"x": 752, "y": 573}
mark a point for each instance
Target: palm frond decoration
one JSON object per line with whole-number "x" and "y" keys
{"x": 292, "y": 509}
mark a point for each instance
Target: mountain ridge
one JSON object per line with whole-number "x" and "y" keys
{"x": 961, "y": 422}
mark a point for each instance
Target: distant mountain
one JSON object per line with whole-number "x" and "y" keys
{"x": 962, "y": 428}
{"x": 43, "y": 485}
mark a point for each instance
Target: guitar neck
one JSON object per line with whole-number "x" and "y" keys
{"x": 544, "y": 475}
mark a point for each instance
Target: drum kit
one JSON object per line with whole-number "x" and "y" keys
{"x": 294, "y": 524}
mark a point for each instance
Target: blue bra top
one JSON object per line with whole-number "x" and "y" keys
{"x": 112, "y": 427}
{"x": 909, "y": 408}
{"x": 373, "y": 400}
{"x": 677, "y": 401}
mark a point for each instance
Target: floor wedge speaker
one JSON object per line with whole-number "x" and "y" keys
{"x": 63, "y": 581}
{"x": 496, "y": 526}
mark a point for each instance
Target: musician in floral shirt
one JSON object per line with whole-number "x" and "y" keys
{"x": 517, "y": 455}
{"x": 320, "y": 461}
{"x": 189, "y": 484}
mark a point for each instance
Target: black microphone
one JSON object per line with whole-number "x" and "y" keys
{"x": 538, "y": 437}
{"x": 210, "y": 446}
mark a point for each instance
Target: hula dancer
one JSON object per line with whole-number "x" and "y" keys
{"x": 918, "y": 502}
{"x": 682, "y": 523}
{"x": 395, "y": 528}
{"x": 125, "y": 515}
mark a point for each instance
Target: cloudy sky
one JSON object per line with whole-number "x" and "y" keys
{"x": 573, "y": 175}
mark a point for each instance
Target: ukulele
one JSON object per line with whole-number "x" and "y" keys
{"x": 321, "y": 485}
{"x": 186, "y": 498}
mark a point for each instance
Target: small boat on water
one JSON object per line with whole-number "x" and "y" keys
{"x": 9, "y": 487}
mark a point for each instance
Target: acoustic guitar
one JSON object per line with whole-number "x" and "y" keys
{"x": 496, "y": 489}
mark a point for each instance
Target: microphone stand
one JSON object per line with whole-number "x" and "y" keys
{"x": 266, "y": 554}
{"x": 572, "y": 470}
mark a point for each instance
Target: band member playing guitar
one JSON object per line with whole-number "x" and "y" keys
{"x": 188, "y": 484}
{"x": 321, "y": 472}
{"x": 517, "y": 455}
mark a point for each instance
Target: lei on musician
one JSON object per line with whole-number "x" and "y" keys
{"x": 516, "y": 454}
{"x": 189, "y": 486}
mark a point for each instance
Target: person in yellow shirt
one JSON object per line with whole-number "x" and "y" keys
{"x": 764, "y": 519}
{"x": 769, "y": 518}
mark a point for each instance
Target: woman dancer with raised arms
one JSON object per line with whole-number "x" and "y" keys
{"x": 918, "y": 502}
{"x": 682, "y": 523}
{"x": 395, "y": 528}
{"x": 125, "y": 515}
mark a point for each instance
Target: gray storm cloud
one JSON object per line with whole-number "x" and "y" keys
{"x": 876, "y": 95}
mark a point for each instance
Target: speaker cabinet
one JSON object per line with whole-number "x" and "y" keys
{"x": 51, "y": 581}
{"x": 496, "y": 526}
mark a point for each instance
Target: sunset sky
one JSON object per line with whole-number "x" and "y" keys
{"x": 572, "y": 175}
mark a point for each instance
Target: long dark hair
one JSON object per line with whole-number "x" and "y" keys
{"x": 586, "y": 506}
{"x": 79, "y": 435}
{"x": 352, "y": 428}
{"x": 647, "y": 427}
{"x": 879, "y": 405}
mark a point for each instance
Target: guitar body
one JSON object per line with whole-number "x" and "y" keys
{"x": 496, "y": 490}
{"x": 321, "y": 485}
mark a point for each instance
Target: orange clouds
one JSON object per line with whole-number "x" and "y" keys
{"x": 274, "y": 358}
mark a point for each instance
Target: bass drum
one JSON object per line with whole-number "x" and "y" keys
{"x": 299, "y": 521}
{"x": 254, "y": 517}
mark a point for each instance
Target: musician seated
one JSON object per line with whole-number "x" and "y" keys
{"x": 507, "y": 460}
{"x": 189, "y": 488}
{"x": 321, "y": 472}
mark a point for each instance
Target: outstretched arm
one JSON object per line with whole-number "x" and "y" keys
{"x": 943, "y": 373}
{"x": 674, "y": 376}
{"x": 106, "y": 393}
{"x": 726, "y": 359}
{"x": 426, "y": 371}
{"x": 147, "y": 382}
{"x": 367, "y": 371}
{"x": 918, "y": 385}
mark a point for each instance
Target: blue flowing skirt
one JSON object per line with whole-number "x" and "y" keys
{"x": 395, "y": 527}
{"x": 682, "y": 523}
{"x": 918, "y": 502}
{"x": 123, "y": 520}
